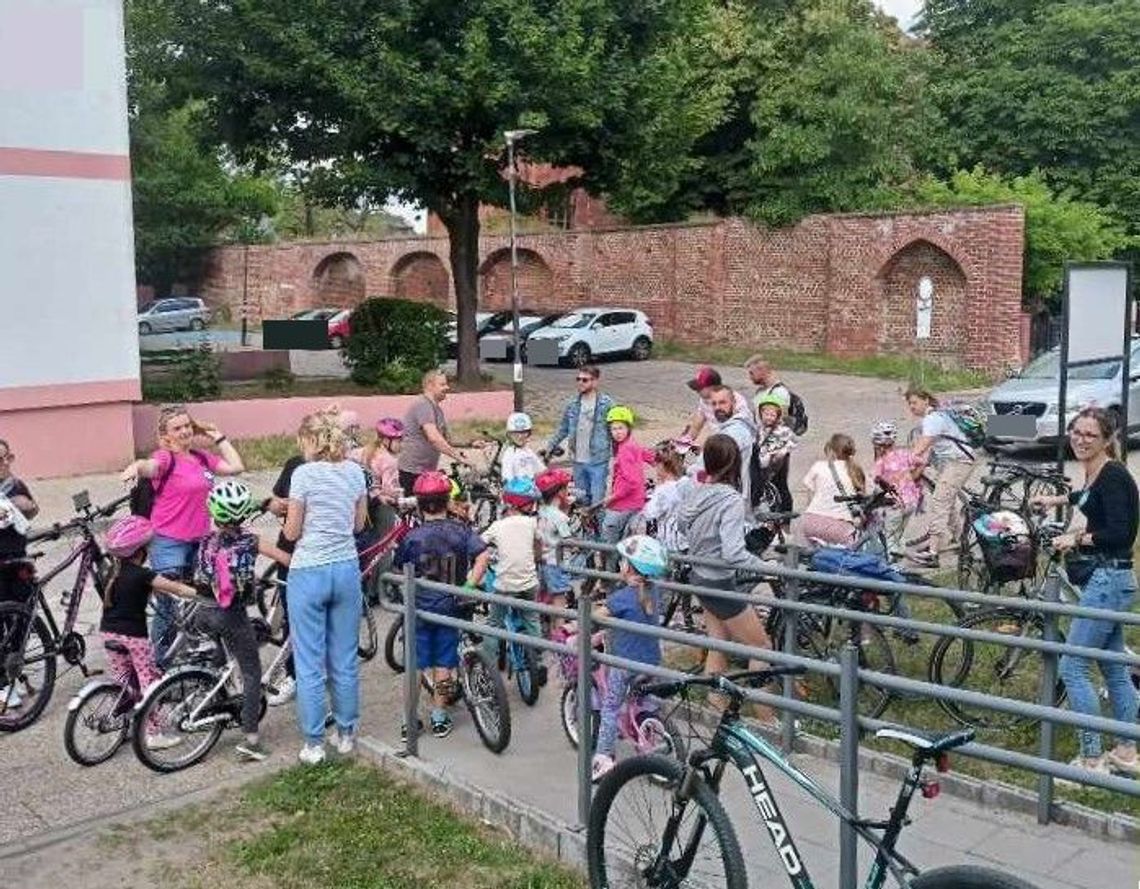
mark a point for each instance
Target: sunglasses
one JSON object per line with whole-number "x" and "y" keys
{"x": 585, "y": 379}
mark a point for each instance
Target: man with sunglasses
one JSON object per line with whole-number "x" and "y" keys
{"x": 584, "y": 425}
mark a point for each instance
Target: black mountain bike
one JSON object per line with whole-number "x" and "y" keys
{"x": 655, "y": 822}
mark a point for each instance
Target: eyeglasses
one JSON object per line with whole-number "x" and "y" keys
{"x": 1084, "y": 436}
{"x": 585, "y": 379}
{"x": 7, "y": 458}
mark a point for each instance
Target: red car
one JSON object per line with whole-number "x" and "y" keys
{"x": 338, "y": 328}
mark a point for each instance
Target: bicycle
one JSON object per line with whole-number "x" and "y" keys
{"x": 521, "y": 662}
{"x": 693, "y": 841}
{"x": 30, "y": 639}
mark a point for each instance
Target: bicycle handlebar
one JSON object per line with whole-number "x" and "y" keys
{"x": 729, "y": 684}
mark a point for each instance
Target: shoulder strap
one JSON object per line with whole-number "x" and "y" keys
{"x": 162, "y": 479}
{"x": 836, "y": 479}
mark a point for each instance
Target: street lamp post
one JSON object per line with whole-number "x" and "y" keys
{"x": 513, "y": 136}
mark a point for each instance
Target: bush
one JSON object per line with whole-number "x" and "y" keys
{"x": 393, "y": 341}
{"x": 279, "y": 379}
{"x": 192, "y": 375}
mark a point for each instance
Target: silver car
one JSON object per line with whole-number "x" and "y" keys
{"x": 1034, "y": 391}
{"x": 173, "y": 313}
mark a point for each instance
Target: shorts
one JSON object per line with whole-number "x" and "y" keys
{"x": 436, "y": 646}
{"x": 555, "y": 580}
{"x": 724, "y": 609}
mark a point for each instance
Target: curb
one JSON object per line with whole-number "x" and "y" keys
{"x": 530, "y": 826}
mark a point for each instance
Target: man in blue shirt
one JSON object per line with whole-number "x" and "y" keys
{"x": 584, "y": 425}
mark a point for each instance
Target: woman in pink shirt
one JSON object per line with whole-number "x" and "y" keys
{"x": 627, "y": 482}
{"x": 182, "y": 478}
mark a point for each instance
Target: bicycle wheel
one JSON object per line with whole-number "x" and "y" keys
{"x": 368, "y": 640}
{"x": 568, "y": 711}
{"x": 180, "y": 707}
{"x": 991, "y": 668}
{"x": 99, "y": 725}
{"x": 27, "y": 667}
{"x": 965, "y": 876}
{"x": 486, "y": 700}
{"x": 483, "y": 512}
{"x": 825, "y": 638}
{"x": 394, "y": 645}
{"x": 640, "y": 834}
{"x": 972, "y": 571}
{"x": 266, "y": 590}
{"x": 526, "y": 676}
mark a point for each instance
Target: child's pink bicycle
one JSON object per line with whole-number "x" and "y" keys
{"x": 640, "y": 721}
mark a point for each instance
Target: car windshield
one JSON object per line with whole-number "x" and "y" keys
{"x": 147, "y": 307}
{"x": 574, "y": 319}
{"x": 1047, "y": 367}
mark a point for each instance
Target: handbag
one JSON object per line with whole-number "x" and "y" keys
{"x": 1080, "y": 567}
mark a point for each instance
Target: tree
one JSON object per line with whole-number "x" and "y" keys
{"x": 1057, "y": 227}
{"x": 299, "y": 216}
{"x": 411, "y": 99}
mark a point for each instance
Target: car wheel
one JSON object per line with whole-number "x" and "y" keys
{"x": 336, "y": 341}
{"x": 144, "y": 328}
{"x": 197, "y": 324}
{"x": 642, "y": 348}
{"x": 579, "y": 355}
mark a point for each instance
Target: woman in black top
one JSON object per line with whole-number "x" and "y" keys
{"x": 1111, "y": 505}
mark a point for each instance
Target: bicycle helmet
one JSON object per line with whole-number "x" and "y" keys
{"x": 454, "y": 490}
{"x": 520, "y": 493}
{"x": 619, "y": 413}
{"x": 127, "y": 536}
{"x": 884, "y": 432}
{"x": 645, "y": 555}
{"x": 432, "y": 484}
{"x": 519, "y": 422}
{"x": 389, "y": 427}
{"x": 230, "y": 502}
{"x": 551, "y": 480}
{"x": 773, "y": 398}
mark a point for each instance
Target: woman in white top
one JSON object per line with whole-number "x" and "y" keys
{"x": 837, "y": 475}
{"x": 328, "y": 504}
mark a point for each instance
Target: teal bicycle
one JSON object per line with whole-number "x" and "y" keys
{"x": 658, "y": 823}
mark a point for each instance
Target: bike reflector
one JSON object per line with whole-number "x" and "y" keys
{"x": 930, "y": 789}
{"x": 942, "y": 763}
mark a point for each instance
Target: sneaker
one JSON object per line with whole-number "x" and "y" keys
{"x": 312, "y": 754}
{"x": 10, "y": 698}
{"x": 286, "y": 691}
{"x": 1096, "y": 767}
{"x": 159, "y": 741}
{"x": 404, "y": 729}
{"x": 1118, "y": 763}
{"x": 441, "y": 726}
{"x": 344, "y": 742}
{"x": 541, "y": 675}
{"x": 252, "y": 752}
{"x": 601, "y": 767}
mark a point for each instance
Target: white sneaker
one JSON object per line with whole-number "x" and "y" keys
{"x": 1097, "y": 767}
{"x": 286, "y": 691}
{"x": 159, "y": 741}
{"x": 10, "y": 698}
{"x": 344, "y": 742}
{"x": 312, "y": 754}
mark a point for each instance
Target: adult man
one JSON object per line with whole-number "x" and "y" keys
{"x": 768, "y": 382}
{"x": 740, "y": 428}
{"x": 425, "y": 432}
{"x": 584, "y": 424}
{"x": 765, "y": 378}
{"x": 707, "y": 379}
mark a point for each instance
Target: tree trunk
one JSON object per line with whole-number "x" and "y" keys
{"x": 462, "y": 223}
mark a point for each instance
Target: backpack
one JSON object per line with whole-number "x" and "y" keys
{"x": 970, "y": 422}
{"x": 146, "y": 490}
{"x": 797, "y": 414}
{"x": 226, "y": 562}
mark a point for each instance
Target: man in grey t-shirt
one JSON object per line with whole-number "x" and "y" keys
{"x": 425, "y": 432}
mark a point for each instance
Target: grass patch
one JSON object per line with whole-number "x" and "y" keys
{"x": 902, "y": 368}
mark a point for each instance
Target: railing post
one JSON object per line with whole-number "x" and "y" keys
{"x": 585, "y": 709}
{"x": 1046, "y": 731}
{"x": 411, "y": 674}
{"x": 791, "y": 625}
{"x": 848, "y": 761}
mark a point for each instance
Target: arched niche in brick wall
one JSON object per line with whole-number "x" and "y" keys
{"x": 535, "y": 280}
{"x": 338, "y": 281}
{"x": 898, "y": 282}
{"x": 423, "y": 277}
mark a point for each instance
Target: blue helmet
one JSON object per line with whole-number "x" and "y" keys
{"x": 645, "y": 555}
{"x": 521, "y": 493}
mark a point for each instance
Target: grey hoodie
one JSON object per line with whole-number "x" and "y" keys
{"x": 712, "y": 518}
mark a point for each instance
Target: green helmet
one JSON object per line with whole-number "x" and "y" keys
{"x": 230, "y": 502}
{"x": 773, "y": 398}
{"x": 619, "y": 414}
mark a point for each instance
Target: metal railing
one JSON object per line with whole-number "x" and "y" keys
{"x": 850, "y": 675}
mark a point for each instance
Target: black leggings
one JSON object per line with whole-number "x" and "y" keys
{"x": 233, "y": 627}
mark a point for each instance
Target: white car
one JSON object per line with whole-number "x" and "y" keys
{"x": 586, "y": 333}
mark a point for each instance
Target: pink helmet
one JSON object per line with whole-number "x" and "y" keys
{"x": 389, "y": 427}
{"x": 128, "y": 535}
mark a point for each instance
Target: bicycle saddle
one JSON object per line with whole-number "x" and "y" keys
{"x": 930, "y": 743}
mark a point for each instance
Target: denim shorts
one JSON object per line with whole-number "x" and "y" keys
{"x": 436, "y": 646}
{"x": 555, "y": 580}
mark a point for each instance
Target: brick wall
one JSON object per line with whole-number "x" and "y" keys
{"x": 845, "y": 284}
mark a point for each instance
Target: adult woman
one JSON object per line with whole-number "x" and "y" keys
{"x": 942, "y": 447}
{"x": 1111, "y": 505}
{"x": 712, "y": 519}
{"x": 328, "y": 503}
{"x": 182, "y": 477}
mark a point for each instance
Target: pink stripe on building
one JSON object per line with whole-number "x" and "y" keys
{"x": 41, "y": 162}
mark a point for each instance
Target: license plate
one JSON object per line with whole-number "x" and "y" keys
{"x": 1011, "y": 426}
{"x": 542, "y": 352}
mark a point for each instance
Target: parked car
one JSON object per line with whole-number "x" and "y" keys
{"x": 313, "y": 315}
{"x": 485, "y": 323}
{"x": 173, "y": 313}
{"x": 339, "y": 328}
{"x": 1034, "y": 391}
{"x": 586, "y": 333}
{"x": 528, "y": 324}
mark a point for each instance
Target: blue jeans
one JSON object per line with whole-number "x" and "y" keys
{"x": 590, "y": 479}
{"x": 175, "y": 559}
{"x": 324, "y": 626}
{"x": 1111, "y": 589}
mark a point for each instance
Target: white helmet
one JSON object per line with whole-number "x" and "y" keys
{"x": 884, "y": 432}
{"x": 519, "y": 422}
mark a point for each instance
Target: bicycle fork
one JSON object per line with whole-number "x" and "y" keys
{"x": 664, "y": 871}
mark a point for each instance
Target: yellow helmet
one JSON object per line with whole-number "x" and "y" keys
{"x": 619, "y": 413}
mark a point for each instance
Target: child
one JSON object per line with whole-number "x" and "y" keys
{"x": 898, "y": 467}
{"x": 16, "y": 508}
{"x": 627, "y": 485}
{"x": 643, "y": 560}
{"x": 517, "y": 460}
{"x": 130, "y": 655}
{"x": 837, "y": 475}
{"x": 515, "y": 539}
{"x": 380, "y": 459}
{"x": 445, "y": 550}
{"x": 224, "y": 570}
{"x": 775, "y": 442}
{"x": 553, "y": 528}
{"x": 664, "y": 503}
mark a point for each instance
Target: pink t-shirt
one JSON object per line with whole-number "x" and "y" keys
{"x": 895, "y": 467}
{"x": 385, "y": 470}
{"x": 627, "y": 486}
{"x": 180, "y": 503}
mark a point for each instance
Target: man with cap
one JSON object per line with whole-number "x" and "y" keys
{"x": 703, "y": 383}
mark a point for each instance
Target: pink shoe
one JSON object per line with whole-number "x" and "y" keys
{"x": 602, "y": 766}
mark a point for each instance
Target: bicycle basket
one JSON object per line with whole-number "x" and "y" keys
{"x": 1006, "y": 545}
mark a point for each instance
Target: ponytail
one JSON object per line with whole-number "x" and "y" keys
{"x": 842, "y": 447}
